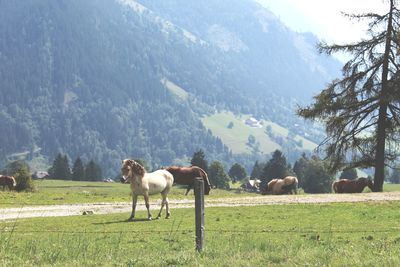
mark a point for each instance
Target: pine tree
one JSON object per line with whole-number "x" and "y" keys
{"x": 60, "y": 168}
{"x": 257, "y": 171}
{"x": 198, "y": 160}
{"x": 93, "y": 171}
{"x": 237, "y": 172}
{"x": 276, "y": 167}
{"x": 361, "y": 112}
{"x": 78, "y": 170}
{"x": 218, "y": 176}
{"x": 317, "y": 177}
{"x": 300, "y": 167}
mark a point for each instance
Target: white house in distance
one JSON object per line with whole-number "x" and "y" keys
{"x": 253, "y": 122}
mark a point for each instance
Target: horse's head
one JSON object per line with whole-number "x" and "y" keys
{"x": 370, "y": 184}
{"x": 130, "y": 168}
{"x": 14, "y": 182}
{"x": 366, "y": 182}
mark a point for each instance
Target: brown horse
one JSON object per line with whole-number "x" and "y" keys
{"x": 7, "y": 181}
{"x": 352, "y": 186}
{"x": 186, "y": 176}
{"x": 287, "y": 185}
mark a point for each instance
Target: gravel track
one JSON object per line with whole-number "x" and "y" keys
{"x": 120, "y": 207}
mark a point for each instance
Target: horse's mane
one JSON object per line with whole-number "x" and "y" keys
{"x": 136, "y": 167}
{"x": 204, "y": 173}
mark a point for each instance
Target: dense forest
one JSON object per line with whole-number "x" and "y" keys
{"x": 85, "y": 78}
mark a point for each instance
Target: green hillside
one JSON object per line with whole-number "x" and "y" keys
{"x": 108, "y": 80}
{"x": 237, "y": 136}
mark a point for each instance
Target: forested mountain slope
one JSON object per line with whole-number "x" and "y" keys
{"x": 93, "y": 78}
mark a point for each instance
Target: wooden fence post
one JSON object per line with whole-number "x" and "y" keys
{"x": 199, "y": 210}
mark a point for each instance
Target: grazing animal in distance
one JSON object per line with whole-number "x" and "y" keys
{"x": 145, "y": 184}
{"x": 8, "y": 181}
{"x": 352, "y": 186}
{"x": 287, "y": 185}
{"x": 187, "y": 175}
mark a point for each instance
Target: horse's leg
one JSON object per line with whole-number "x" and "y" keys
{"x": 187, "y": 190}
{"x": 167, "y": 208}
{"x": 163, "y": 202}
{"x": 134, "y": 201}
{"x": 146, "y": 200}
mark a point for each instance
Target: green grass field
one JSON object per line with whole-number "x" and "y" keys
{"x": 52, "y": 192}
{"x": 237, "y": 137}
{"x": 341, "y": 234}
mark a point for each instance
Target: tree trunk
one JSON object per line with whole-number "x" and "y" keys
{"x": 380, "y": 150}
{"x": 379, "y": 176}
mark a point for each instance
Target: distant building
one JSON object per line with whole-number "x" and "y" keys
{"x": 252, "y": 185}
{"x": 40, "y": 175}
{"x": 253, "y": 122}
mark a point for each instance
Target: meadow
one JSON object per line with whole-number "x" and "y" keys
{"x": 53, "y": 192}
{"x": 336, "y": 234}
{"x": 237, "y": 137}
{"x": 340, "y": 234}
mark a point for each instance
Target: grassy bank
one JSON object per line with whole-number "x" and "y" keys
{"x": 346, "y": 234}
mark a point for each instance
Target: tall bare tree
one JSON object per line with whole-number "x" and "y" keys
{"x": 361, "y": 110}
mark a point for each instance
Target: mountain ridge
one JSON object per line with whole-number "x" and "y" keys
{"x": 96, "y": 79}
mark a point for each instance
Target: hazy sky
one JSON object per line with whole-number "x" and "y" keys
{"x": 323, "y": 17}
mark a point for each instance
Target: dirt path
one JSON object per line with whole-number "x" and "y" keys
{"x": 105, "y": 208}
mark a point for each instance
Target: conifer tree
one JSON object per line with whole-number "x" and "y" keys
{"x": 361, "y": 111}
{"x": 78, "y": 170}
{"x": 60, "y": 168}
{"x": 93, "y": 171}
{"x": 300, "y": 167}
{"x": 276, "y": 167}
{"x": 198, "y": 160}
{"x": 218, "y": 176}
{"x": 257, "y": 171}
{"x": 237, "y": 172}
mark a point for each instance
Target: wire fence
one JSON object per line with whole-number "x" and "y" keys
{"x": 9, "y": 228}
{"x": 218, "y": 231}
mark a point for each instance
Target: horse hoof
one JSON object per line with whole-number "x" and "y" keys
{"x": 149, "y": 218}
{"x": 131, "y": 219}
{"x": 158, "y": 217}
{"x": 168, "y": 216}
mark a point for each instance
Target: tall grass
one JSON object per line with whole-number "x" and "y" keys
{"x": 347, "y": 234}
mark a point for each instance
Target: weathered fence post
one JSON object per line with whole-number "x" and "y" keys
{"x": 199, "y": 210}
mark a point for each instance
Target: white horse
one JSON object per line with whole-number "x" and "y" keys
{"x": 145, "y": 184}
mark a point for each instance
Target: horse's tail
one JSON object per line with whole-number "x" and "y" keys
{"x": 207, "y": 184}
{"x": 290, "y": 184}
{"x": 295, "y": 185}
{"x": 335, "y": 186}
